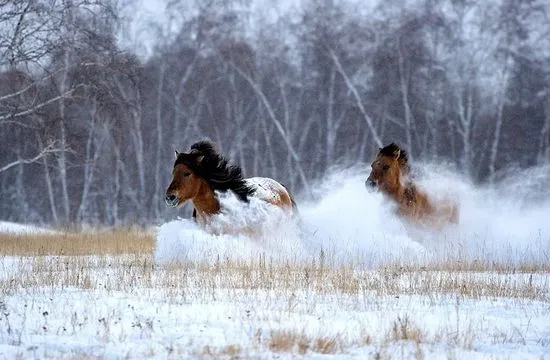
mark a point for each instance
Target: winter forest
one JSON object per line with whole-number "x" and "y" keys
{"x": 89, "y": 122}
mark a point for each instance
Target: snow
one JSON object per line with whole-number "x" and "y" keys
{"x": 15, "y": 228}
{"x": 272, "y": 231}
{"x": 347, "y": 280}
{"x": 507, "y": 224}
{"x": 153, "y": 322}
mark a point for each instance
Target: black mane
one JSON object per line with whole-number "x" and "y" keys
{"x": 205, "y": 161}
{"x": 392, "y": 149}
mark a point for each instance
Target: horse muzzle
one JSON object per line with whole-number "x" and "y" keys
{"x": 171, "y": 200}
{"x": 370, "y": 185}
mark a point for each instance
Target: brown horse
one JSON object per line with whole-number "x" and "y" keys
{"x": 201, "y": 173}
{"x": 391, "y": 175}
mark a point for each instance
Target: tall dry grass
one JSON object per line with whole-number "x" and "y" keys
{"x": 122, "y": 259}
{"x": 74, "y": 243}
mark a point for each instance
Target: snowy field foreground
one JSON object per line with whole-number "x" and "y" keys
{"x": 348, "y": 280}
{"x": 126, "y": 307}
{"x": 13, "y": 228}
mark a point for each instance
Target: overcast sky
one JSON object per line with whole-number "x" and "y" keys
{"x": 141, "y": 16}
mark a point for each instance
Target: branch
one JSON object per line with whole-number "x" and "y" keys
{"x": 34, "y": 108}
{"x": 277, "y": 123}
{"x": 50, "y": 149}
{"x": 33, "y": 84}
{"x": 394, "y": 120}
{"x": 49, "y": 75}
{"x": 18, "y": 123}
{"x": 355, "y": 93}
{"x": 16, "y": 34}
{"x": 270, "y": 111}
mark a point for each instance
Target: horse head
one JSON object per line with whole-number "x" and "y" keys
{"x": 202, "y": 171}
{"x": 185, "y": 182}
{"x": 389, "y": 169}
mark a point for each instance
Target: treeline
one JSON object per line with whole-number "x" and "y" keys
{"x": 88, "y": 129}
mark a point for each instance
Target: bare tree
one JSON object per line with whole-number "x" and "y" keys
{"x": 287, "y": 99}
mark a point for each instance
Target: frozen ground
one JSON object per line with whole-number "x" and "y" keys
{"x": 118, "y": 310}
{"x": 14, "y": 228}
{"x": 348, "y": 281}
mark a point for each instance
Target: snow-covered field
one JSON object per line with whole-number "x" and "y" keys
{"x": 348, "y": 280}
{"x": 13, "y": 228}
{"x": 118, "y": 310}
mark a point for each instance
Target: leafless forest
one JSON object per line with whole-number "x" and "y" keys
{"x": 88, "y": 127}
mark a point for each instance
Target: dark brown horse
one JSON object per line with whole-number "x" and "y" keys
{"x": 201, "y": 173}
{"x": 391, "y": 175}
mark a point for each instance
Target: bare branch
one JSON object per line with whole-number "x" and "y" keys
{"x": 17, "y": 32}
{"x": 34, "y": 83}
{"x": 275, "y": 121}
{"x": 51, "y": 148}
{"x": 41, "y": 105}
{"x": 18, "y": 123}
{"x": 355, "y": 93}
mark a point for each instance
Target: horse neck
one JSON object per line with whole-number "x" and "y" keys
{"x": 396, "y": 193}
{"x": 206, "y": 202}
{"x": 409, "y": 192}
{"x": 399, "y": 190}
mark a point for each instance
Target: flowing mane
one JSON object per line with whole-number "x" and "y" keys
{"x": 205, "y": 161}
{"x": 393, "y": 150}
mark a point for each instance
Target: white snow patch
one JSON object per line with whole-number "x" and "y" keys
{"x": 15, "y": 228}
{"x": 242, "y": 231}
{"x": 144, "y": 321}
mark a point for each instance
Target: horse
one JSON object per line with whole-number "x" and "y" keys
{"x": 201, "y": 174}
{"x": 391, "y": 174}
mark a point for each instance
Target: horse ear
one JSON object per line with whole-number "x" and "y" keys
{"x": 176, "y": 153}
{"x": 397, "y": 154}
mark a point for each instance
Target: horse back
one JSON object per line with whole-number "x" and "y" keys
{"x": 419, "y": 207}
{"x": 271, "y": 191}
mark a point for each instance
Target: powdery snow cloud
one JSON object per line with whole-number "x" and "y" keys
{"x": 349, "y": 224}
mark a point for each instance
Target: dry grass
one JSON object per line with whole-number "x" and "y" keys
{"x": 287, "y": 341}
{"x": 404, "y": 329}
{"x": 100, "y": 242}
{"x": 228, "y": 352}
{"x": 68, "y": 267}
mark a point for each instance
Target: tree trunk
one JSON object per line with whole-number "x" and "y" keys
{"x": 498, "y": 125}
{"x": 156, "y": 199}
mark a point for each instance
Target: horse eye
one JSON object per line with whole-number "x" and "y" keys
{"x": 186, "y": 174}
{"x": 385, "y": 167}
